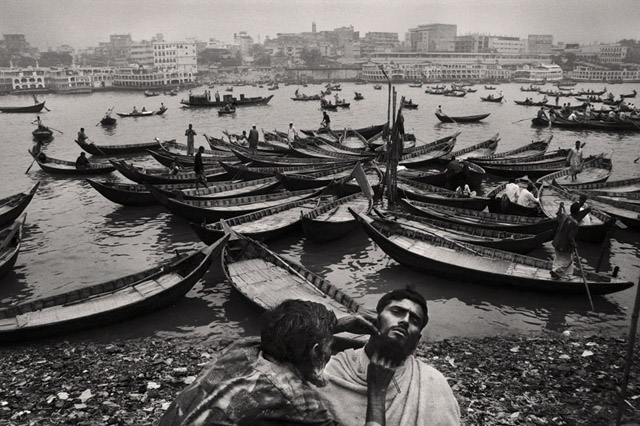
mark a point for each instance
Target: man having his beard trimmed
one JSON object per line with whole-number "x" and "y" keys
{"x": 418, "y": 393}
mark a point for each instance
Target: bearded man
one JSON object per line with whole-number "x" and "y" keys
{"x": 418, "y": 393}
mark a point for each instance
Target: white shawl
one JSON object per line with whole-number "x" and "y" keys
{"x": 425, "y": 397}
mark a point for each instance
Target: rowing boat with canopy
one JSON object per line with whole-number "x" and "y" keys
{"x": 333, "y": 220}
{"x": 263, "y": 225}
{"x": 593, "y": 228}
{"x": 503, "y": 222}
{"x": 12, "y": 206}
{"x": 476, "y": 264}
{"x": 501, "y": 240}
{"x": 108, "y": 302}
{"x": 214, "y": 210}
{"x": 266, "y": 279}
{"x": 133, "y": 148}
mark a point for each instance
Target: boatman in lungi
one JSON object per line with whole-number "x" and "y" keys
{"x": 190, "y": 133}
{"x": 564, "y": 242}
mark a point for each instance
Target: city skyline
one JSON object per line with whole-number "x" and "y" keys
{"x": 81, "y": 24}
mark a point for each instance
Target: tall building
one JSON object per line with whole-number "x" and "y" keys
{"x": 180, "y": 55}
{"x": 243, "y": 40}
{"x": 120, "y": 46}
{"x": 540, "y": 43}
{"x": 378, "y": 42}
{"x": 432, "y": 38}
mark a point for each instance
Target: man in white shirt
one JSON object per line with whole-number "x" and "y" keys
{"x": 512, "y": 190}
{"x": 292, "y": 134}
{"x": 526, "y": 197}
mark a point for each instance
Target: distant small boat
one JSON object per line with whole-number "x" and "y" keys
{"x": 149, "y": 93}
{"x": 377, "y": 87}
{"x": 461, "y": 119}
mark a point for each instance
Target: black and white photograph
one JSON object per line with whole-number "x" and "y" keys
{"x": 319, "y": 212}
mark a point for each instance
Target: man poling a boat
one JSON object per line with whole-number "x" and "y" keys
{"x": 564, "y": 242}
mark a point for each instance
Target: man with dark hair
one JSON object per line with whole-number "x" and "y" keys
{"x": 419, "y": 395}
{"x": 564, "y": 242}
{"x": 198, "y": 168}
{"x": 267, "y": 382}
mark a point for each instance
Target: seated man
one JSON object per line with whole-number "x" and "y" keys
{"x": 419, "y": 395}
{"x": 267, "y": 382}
{"x": 82, "y": 162}
{"x": 526, "y": 197}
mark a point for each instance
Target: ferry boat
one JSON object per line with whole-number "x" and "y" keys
{"x": 539, "y": 74}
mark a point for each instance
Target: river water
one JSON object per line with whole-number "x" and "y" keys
{"x": 75, "y": 237}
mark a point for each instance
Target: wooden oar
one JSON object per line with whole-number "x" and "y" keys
{"x": 97, "y": 147}
{"x": 35, "y": 156}
{"x": 518, "y": 121}
{"x": 56, "y": 130}
{"x": 584, "y": 279}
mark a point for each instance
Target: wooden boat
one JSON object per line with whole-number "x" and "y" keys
{"x": 623, "y": 210}
{"x": 221, "y": 190}
{"x": 616, "y": 186}
{"x": 592, "y": 229}
{"x": 590, "y": 99}
{"x": 203, "y": 101}
{"x": 530, "y": 88}
{"x": 617, "y": 125}
{"x": 491, "y": 99}
{"x": 23, "y": 109}
{"x": 263, "y": 225}
{"x": 501, "y": 240}
{"x": 333, "y": 220}
{"x": 490, "y": 87}
{"x": 366, "y": 132}
{"x": 42, "y": 134}
{"x": 456, "y": 93}
{"x": 136, "y": 114}
{"x": 272, "y": 161}
{"x": 227, "y": 110}
{"x": 149, "y": 93}
{"x": 304, "y": 97}
{"x": 318, "y": 149}
{"x": 167, "y": 159}
{"x": 467, "y": 262}
{"x": 133, "y": 148}
{"x": 358, "y": 97}
{"x": 12, "y": 206}
{"x": 408, "y": 105}
{"x": 267, "y": 279}
{"x": 531, "y": 103}
{"x": 630, "y": 95}
{"x": 108, "y": 302}
{"x": 437, "y": 195}
{"x": 527, "y": 152}
{"x": 594, "y": 170}
{"x": 294, "y": 181}
{"x": 246, "y": 172}
{"x": 214, "y": 210}
{"x": 126, "y": 194}
{"x": 500, "y": 203}
{"x": 164, "y": 177}
{"x": 327, "y": 105}
{"x": 10, "y": 241}
{"x": 161, "y": 110}
{"x": 107, "y": 120}
{"x": 481, "y": 149}
{"x": 342, "y": 103}
{"x": 461, "y": 119}
{"x": 503, "y": 222}
{"x": 56, "y": 167}
{"x": 425, "y": 154}
{"x": 552, "y": 157}
{"x": 531, "y": 170}
{"x": 591, "y": 92}
{"x": 474, "y": 175}
{"x": 352, "y": 139}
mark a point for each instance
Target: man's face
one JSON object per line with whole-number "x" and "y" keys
{"x": 318, "y": 360}
{"x": 400, "y": 324}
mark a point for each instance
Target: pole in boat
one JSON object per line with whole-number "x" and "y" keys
{"x": 584, "y": 279}
{"x": 629, "y": 358}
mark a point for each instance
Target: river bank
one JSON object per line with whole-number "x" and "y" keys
{"x": 546, "y": 379}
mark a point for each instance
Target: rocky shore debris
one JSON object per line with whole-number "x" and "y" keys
{"x": 543, "y": 380}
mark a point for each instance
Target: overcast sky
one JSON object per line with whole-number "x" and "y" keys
{"x": 83, "y": 23}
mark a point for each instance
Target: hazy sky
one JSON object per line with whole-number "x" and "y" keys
{"x": 83, "y": 23}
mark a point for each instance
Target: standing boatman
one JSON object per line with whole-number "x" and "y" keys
{"x": 253, "y": 139}
{"x": 82, "y": 137}
{"x": 190, "y": 133}
{"x": 326, "y": 121}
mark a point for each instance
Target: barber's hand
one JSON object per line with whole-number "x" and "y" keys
{"x": 356, "y": 324}
{"x": 379, "y": 373}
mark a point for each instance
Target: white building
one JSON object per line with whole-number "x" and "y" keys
{"x": 180, "y": 56}
{"x": 538, "y": 73}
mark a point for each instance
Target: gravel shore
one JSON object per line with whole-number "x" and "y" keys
{"x": 549, "y": 379}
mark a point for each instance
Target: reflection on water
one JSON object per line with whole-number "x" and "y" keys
{"x": 75, "y": 237}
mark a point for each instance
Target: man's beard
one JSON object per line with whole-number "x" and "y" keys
{"x": 395, "y": 350}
